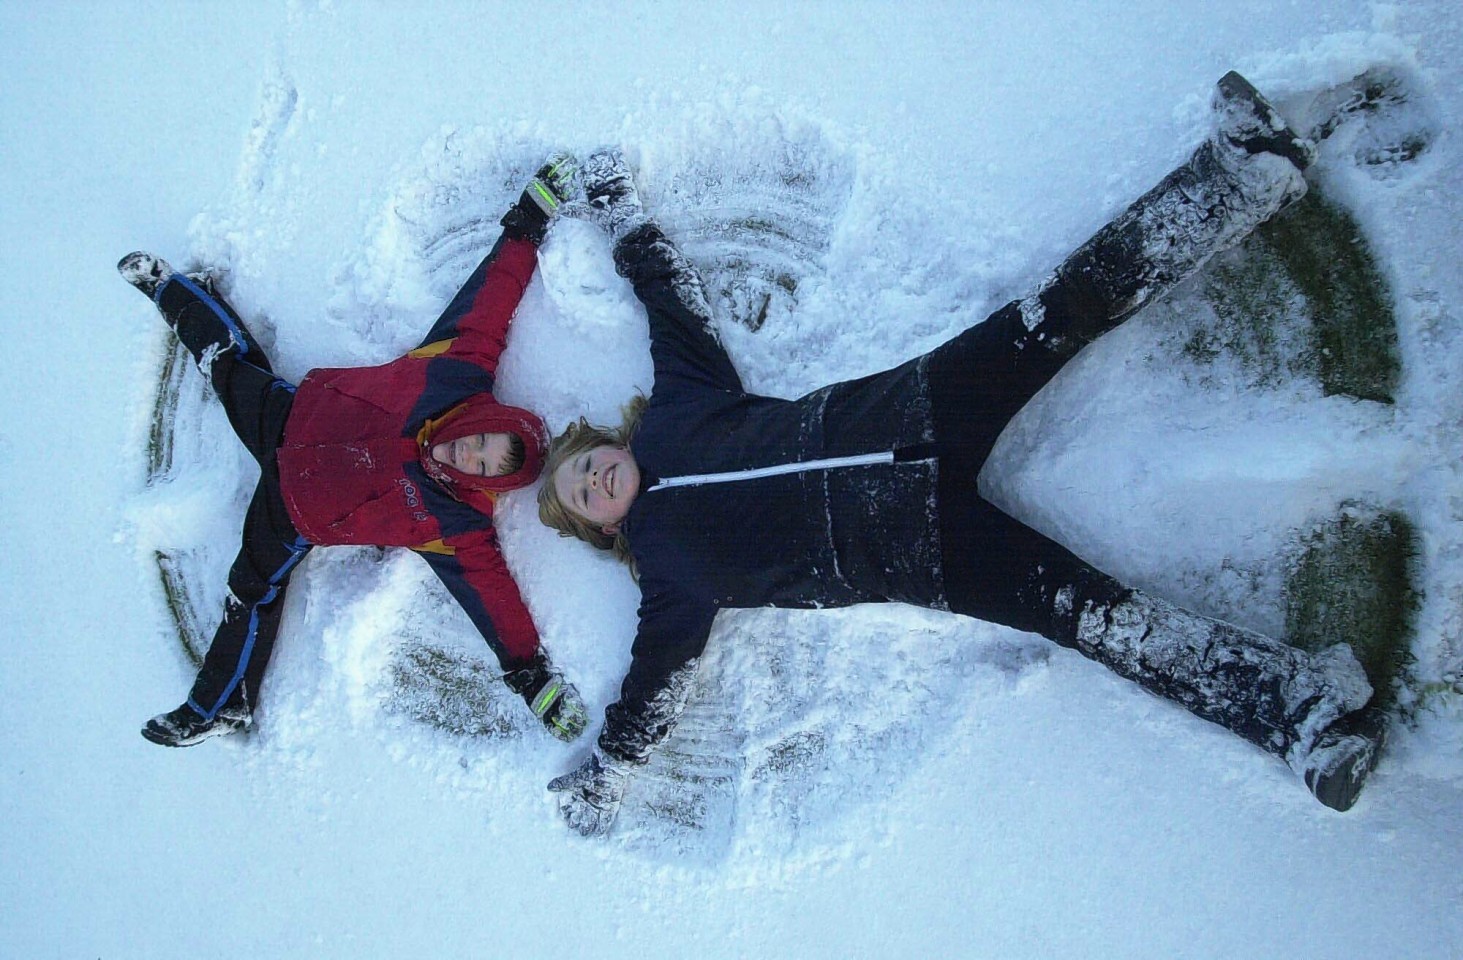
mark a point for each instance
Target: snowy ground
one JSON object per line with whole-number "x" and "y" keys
{"x": 872, "y": 782}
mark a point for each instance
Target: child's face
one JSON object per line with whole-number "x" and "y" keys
{"x": 480, "y": 454}
{"x": 599, "y": 485}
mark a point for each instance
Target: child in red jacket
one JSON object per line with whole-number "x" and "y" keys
{"x": 411, "y": 453}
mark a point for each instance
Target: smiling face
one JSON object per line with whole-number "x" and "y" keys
{"x": 599, "y": 485}
{"x": 478, "y": 454}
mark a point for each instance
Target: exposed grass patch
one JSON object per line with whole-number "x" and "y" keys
{"x": 1303, "y": 296}
{"x": 160, "y": 446}
{"x": 1260, "y": 318}
{"x": 164, "y": 411}
{"x": 1352, "y": 582}
{"x": 1323, "y": 251}
{"x": 182, "y": 607}
{"x": 454, "y": 693}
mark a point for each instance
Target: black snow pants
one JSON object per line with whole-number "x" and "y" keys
{"x": 257, "y": 403}
{"x": 998, "y": 569}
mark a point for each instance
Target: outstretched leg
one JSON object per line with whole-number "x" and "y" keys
{"x": 224, "y": 693}
{"x": 1250, "y": 169}
{"x": 1288, "y": 702}
{"x": 1247, "y": 171}
{"x": 257, "y": 403}
{"x": 234, "y": 667}
{"x": 255, "y": 400}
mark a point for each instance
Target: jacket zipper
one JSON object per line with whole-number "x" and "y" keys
{"x": 756, "y": 473}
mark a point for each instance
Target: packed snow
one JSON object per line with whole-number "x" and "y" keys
{"x": 858, "y": 183}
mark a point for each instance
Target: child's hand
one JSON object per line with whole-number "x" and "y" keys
{"x": 553, "y": 184}
{"x": 552, "y": 699}
{"x": 563, "y": 715}
{"x": 590, "y": 796}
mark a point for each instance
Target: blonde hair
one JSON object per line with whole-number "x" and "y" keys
{"x": 577, "y": 438}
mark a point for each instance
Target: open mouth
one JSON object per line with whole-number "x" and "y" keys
{"x": 609, "y": 481}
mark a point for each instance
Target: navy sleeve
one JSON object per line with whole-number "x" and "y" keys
{"x": 683, "y": 346}
{"x": 674, "y": 626}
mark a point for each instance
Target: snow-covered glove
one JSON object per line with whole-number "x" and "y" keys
{"x": 609, "y": 192}
{"x": 551, "y": 187}
{"x": 591, "y": 795}
{"x": 552, "y": 699}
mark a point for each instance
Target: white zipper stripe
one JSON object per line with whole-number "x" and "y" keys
{"x": 756, "y": 473}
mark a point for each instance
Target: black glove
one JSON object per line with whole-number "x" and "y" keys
{"x": 592, "y": 794}
{"x": 551, "y": 186}
{"x": 551, "y": 698}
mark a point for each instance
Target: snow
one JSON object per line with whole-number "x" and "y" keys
{"x": 876, "y": 782}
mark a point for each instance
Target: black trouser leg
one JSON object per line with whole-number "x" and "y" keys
{"x": 1273, "y": 695}
{"x": 255, "y": 400}
{"x": 1210, "y": 203}
{"x": 234, "y": 667}
{"x": 258, "y": 404}
{"x": 202, "y": 319}
{"x": 998, "y": 569}
{"x": 984, "y": 376}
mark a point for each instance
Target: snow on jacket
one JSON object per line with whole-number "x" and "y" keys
{"x": 817, "y": 534}
{"x": 355, "y": 463}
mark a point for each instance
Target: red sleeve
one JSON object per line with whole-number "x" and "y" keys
{"x": 477, "y": 576}
{"x": 482, "y": 330}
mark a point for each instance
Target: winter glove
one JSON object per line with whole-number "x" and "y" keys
{"x": 609, "y": 191}
{"x": 551, "y": 698}
{"x": 550, "y": 187}
{"x": 591, "y": 795}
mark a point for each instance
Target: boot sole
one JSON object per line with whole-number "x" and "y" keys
{"x": 165, "y": 740}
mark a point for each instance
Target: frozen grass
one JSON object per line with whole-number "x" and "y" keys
{"x": 1352, "y": 581}
{"x": 1304, "y": 297}
{"x": 1323, "y": 251}
{"x": 164, "y": 409}
{"x": 160, "y": 447}
{"x": 181, "y": 605}
{"x": 453, "y": 693}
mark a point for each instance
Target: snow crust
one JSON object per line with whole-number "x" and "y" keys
{"x": 858, "y": 183}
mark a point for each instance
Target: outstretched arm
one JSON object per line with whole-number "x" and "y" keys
{"x": 475, "y": 324}
{"x": 673, "y": 631}
{"x": 477, "y": 577}
{"x": 683, "y": 344}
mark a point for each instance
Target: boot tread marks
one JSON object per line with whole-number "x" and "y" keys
{"x": 1380, "y": 121}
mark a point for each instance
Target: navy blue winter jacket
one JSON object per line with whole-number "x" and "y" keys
{"x": 819, "y": 536}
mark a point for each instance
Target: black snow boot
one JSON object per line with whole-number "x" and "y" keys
{"x": 203, "y": 320}
{"x": 185, "y": 726}
{"x": 1344, "y": 756}
{"x": 1248, "y": 121}
{"x": 144, "y": 271}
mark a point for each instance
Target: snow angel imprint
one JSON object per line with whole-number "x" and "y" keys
{"x": 865, "y": 490}
{"x": 412, "y": 453}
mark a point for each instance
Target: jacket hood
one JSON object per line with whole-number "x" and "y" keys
{"x": 484, "y": 415}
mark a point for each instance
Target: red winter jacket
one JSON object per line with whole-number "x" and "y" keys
{"x": 355, "y": 466}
